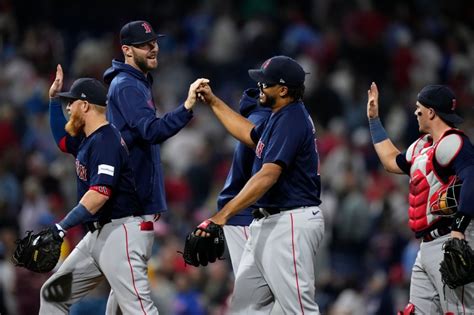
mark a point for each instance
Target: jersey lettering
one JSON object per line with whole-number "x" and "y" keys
{"x": 81, "y": 171}
{"x": 317, "y": 155}
{"x": 259, "y": 149}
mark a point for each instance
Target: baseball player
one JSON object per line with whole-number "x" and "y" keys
{"x": 114, "y": 247}
{"x": 440, "y": 155}
{"x": 236, "y": 230}
{"x": 131, "y": 109}
{"x": 278, "y": 259}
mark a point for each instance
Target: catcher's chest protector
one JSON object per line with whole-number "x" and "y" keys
{"x": 425, "y": 183}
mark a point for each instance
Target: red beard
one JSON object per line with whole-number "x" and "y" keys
{"x": 75, "y": 125}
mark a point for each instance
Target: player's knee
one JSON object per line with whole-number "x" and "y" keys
{"x": 43, "y": 289}
{"x": 57, "y": 289}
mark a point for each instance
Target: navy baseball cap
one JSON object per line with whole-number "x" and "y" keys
{"x": 279, "y": 70}
{"x": 87, "y": 89}
{"x": 137, "y": 32}
{"x": 442, "y": 100}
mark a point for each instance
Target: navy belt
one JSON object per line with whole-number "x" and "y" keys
{"x": 434, "y": 234}
{"x": 265, "y": 212}
{"x": 96, "y": 225}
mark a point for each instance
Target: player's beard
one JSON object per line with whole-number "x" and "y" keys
{"x": 269, "y": 101}
{"x": 142, "y": 63}
{"x": 75, "y": 125}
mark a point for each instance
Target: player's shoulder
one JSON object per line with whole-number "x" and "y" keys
{"x": 294, "y": 114}
{"x": 449, "y": 147}
{"x": 418, "y": 145}
{"x": 106, "y": 135}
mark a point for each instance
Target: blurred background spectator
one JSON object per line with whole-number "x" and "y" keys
{"x": 365, "y": 261}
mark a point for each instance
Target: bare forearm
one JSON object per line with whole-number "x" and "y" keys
{"x": 255, "y": 188}
{"x": 93, "y": 201}
{"x": 236, "y": 125}
{"x": 388, "y": 153}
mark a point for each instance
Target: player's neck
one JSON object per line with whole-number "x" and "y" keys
{"x": 437, "y": 132}
{"x": 280, "y": 103}
{"x": 93, "y": 123}
{"x": 129, "y": 61}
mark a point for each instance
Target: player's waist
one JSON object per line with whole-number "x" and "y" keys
{"x": 433, "y": 234}
{"x": 93, "y": 226}
{"x": 264, "y": 212}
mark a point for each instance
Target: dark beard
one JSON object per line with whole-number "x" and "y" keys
{"x": 142, "y": 64}
{"x": 269, "y": 103}
{"x": 75, "y": 125}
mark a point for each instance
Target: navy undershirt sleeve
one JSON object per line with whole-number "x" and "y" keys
{"x": 403, "y": 163}
{"x": 57, "y": 120}
{"x": 466, "y": 203}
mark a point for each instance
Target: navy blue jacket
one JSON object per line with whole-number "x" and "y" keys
{"x": 241, "y": 168}
{"x": 132, "y": 110}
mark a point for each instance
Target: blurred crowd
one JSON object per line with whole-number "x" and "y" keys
{"x": 365, "y": 262}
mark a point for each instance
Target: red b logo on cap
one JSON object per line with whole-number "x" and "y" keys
{"x": 266, "y": 63}
{"x": 146, "y": 27}
{"x": 453, "y": 107}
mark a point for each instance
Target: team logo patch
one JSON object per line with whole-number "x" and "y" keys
{"x": 454, "y": 104}
{"x": 106, "y": 169}
{"x": 259, "y": 149}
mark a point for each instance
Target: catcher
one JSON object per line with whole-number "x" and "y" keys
{"x": 440, "y": 209}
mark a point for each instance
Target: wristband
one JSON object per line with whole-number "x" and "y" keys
{"x": 77, "y": 215}
{"x": 460, "y": 222}
{"x": 377, "y": 131}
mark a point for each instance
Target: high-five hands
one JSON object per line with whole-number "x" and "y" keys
{"x": 58, "y": 82}
{"x": 373, "y": 101}
{"x": 193, "y": 94}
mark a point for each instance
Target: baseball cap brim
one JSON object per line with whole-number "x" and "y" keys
{"x": 154, "y": 37}
{"x": 452, "y": 118}
{"x": 68, "y": 95}
{"x": 258, "y": 76}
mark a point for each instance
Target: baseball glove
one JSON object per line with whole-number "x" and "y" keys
{"x": 201, "y": 250}
{"x": 38, "y": 252}
{"x": 457, "y": 267}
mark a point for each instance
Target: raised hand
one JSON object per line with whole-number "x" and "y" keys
{"x": 373, "y": 101}
{"x": 193, "y": 94}
{"x": 58, "y": 82}
{"x": 205, "y": 94}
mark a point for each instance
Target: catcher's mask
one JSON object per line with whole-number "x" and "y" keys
{"x": 446, "y": 202}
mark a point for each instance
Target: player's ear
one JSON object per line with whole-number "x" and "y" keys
{"x": 127, "y": 51}
{"x": 431, "y": 113}
{"x": 283, "y": 91}
{"x": 85, "y": 106}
